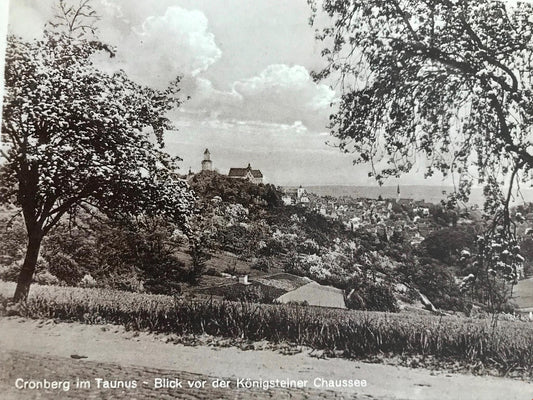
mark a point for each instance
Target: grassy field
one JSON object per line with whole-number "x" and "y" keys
{"x": 508, "y": 346}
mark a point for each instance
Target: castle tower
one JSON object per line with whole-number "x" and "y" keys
{"x": 207, "y": 164}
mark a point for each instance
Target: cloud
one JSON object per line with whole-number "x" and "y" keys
{"x": 165, "y": 46}
{"x": 175, "y": 41}
{"x": 206, "y": 100}
{"x": 280, "y": 94}
{"x": 183, "y": 39}
{"x": 286, "y": 94}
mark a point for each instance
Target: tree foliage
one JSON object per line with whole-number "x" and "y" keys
{"x": 446, "y": 244}
{"x": 371, "y": 296}
{"x": 79, "y": 136}
{"x": 445, "y": 82}
{"x": 210, "y": 184}
{"x": 448, "y": 78}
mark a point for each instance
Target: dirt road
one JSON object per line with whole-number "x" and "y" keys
{"x": 35, "y": 351}
{"x": 103, "y": 378}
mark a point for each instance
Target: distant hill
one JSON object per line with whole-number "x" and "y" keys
{"x": 431, "y": 194}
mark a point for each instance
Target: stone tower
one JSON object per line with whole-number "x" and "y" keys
{"x": 207, "y": 164}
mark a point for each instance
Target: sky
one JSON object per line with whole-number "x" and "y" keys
{"x": 246, "y": 67}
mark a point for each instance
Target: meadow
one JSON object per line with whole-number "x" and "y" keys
{"x": 506, "y": 346}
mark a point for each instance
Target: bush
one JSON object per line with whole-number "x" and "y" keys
{"x": 10, "y": 273}
{"x": 88, "y": 281}
{"x": 251, "y": 294}
{"x": 272, "y": 247}
{"x": 235, "y": 239}
{"x": 164, "y": 277}
{"x": 45, "y": 278}
{"x": 129, "y": 282}
{"x": 65, "y": 268}
{"x": 372, "y": 297}
{"x": 263, "y": 264}
{"x": 380, "y": 297}
{"x": 233, "y": 270}
{"x": 13, "y": 239}
{"x": 436, "y": 281}
{"x": 445, "y": 244}
{"x": 211, "y": 271}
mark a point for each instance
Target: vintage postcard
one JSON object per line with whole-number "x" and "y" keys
{"x": 304, "y": 199}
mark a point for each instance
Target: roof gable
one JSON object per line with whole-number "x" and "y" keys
{"x": 237, "y": 172}
{"x": 242, "y": 172}
{"x": 315, "y": 295}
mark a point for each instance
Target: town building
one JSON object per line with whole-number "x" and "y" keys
{"x": 293, "y": 196}
{"x": 253, "y": 175}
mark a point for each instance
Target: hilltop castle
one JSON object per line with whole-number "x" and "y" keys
{"x": 252, "y": 175}
{"x": 207, "y": 164}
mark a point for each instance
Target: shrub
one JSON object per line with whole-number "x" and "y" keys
{"x": 45, "y": 278}
{"x": 372, "y": 297}
{"x": 164, "y": 277}
{"x": 233, "y": 270}
{"x": 445, "y": 244}
{"x": 88, "y": 281}
{"x": 263, "y": 264}
{"x": 211, "y": 271}
{"x": 251, "y": 294}
{"x": 436, "y": 281}
{"x": 65, "y": 267}
{"x": 234, "y": 238}
{"x": 42, "y": 276}
{"x": 13, "y": 239}
{"x": 129, "y": 282}
{"x": 10, "y": 273}
{"x": 380, "y": 297}
{"x": 272, "y": 247}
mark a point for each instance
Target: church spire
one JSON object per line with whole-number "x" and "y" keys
{"x": 398, "y": 193}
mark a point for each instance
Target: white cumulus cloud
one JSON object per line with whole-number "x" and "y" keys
{"x": 285, "y": 94}
{"x": 182, "y": 36}
{"x": 281, "y": 94}
{"x": 165, "y": 46}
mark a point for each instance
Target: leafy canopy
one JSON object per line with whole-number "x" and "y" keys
{"x": 78, "y": 135}
{"x": 441, "y": 83}
{"x": 450, "y": 79}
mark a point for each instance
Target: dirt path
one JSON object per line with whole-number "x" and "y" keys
{"x": 42, "y": 350}
{"x": 58, "y": 369}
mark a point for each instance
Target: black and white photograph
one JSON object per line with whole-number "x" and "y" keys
{"x": 265, "y": 199}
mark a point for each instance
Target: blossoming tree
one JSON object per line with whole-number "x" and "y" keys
{"x": 78, "y": 136}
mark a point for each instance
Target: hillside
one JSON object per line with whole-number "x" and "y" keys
{"x": 375, "y": 261}
{"x": 382, "y": 253}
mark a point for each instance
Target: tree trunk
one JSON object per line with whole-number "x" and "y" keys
{"x": 28, "y": 268}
